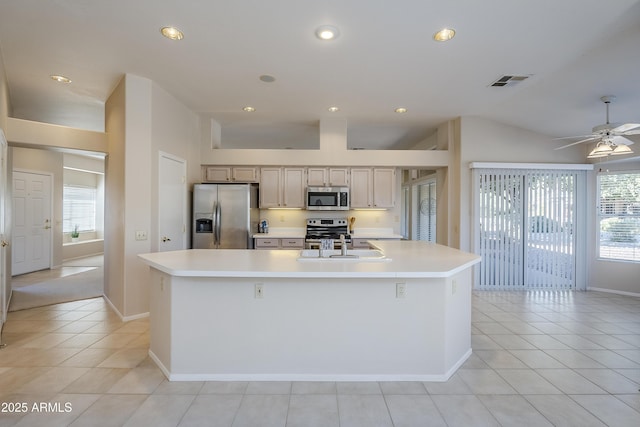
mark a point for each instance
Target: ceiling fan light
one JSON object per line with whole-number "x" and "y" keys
{"x": 601, "y": 150}
{"x": 593, "y": 155}
{"x": 622, "y": 149}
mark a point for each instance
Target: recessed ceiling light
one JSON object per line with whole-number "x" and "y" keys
{"x": 327, "y": 32}
{"x": 172, "y": 33}
{"x": 444, "y": 35}
{"x": 400, "y": 110}
{"x": 333, "y": 109}
{"x": 267, "y": 78}
{"x": 249, "y": 109}
{"x": 60, "y": 79}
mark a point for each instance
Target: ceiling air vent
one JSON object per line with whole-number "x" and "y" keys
{"x": 509, "y": 80}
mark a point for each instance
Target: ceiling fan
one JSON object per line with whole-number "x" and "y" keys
{"x": 611, "y": 137}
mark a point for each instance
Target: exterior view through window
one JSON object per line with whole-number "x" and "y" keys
{"x": 619, "y": 216}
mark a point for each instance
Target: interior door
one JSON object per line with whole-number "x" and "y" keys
{"x": 5, "y": 290}
{"x": 31, "y": 233}
{"x": 172, "y": 203}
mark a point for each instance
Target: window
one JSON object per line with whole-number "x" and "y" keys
{"x": 79, "y": 208}
{"x": 619, "y": 216}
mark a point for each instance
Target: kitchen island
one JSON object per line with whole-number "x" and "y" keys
{"x": 266, "y": 315}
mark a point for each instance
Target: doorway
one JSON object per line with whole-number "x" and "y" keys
{"x": 526, "y": 223}
{"x": 75, "y": 270}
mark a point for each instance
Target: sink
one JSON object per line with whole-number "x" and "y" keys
{"x": 336, "y": 255}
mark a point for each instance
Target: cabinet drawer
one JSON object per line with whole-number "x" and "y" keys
{"x": 360, "y": 243}
{"x": 262, "y": 242}
{"x": 292, "y": 243}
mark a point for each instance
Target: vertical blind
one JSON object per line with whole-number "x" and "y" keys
{"x": 525, "y": 221}
{"x": 427, "y": 211}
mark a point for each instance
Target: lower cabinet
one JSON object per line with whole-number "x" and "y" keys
{"x": 363, "y": 243}
{"x": 269, "y": 243}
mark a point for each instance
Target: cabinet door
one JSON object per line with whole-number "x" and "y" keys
{"x": 361, "y": 187}
{"x": 294, "y": 180}
{"x": 270, "y": 188}
{"x": 244, "y": 174}
{"x": 339, "y": 177}
{"x": 384, "y": 184}
{"x": 218, "y": 174}
{"x": 317, "y": 176}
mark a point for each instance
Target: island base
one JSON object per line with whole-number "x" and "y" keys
{"x": 292, "y": 329}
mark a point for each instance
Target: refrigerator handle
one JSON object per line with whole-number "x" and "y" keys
{"x": 214, "y": 234}
{"x": 218, "y": 224}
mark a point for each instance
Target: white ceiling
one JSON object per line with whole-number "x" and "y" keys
{"x": 574, "y": 50}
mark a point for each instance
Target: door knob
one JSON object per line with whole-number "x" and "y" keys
{"x": 166, "y": 239}
{"x": 4, "y": 243}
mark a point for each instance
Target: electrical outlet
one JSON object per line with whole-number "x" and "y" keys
{"x": 454, "y": 286}
{"x": 259, "y": 290}
{"x": 141, "y": 235}
{"x": 401, "y": 290}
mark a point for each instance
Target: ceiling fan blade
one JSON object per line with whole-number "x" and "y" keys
{"x": 624, "y": 128}
{"x": 591, "y": 138}
{"x": 632, "y": 132}
{"x": 575, "y": 136}
{"x": 621, "y": 140}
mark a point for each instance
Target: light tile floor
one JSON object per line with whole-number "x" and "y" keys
{"x": 539, "y": 359}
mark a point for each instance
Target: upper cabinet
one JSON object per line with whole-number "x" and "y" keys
{"x": 333, "y": 177}
{"x": 239, "y": 174}
{"x": 282, "y": 187}
{"x": 373, "y": 187}
{"x": 285, "y": 187}
{"x": 384, "y": 184}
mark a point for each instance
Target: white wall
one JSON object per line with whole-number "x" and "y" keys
{"x": 5, "y": 106}
{"x": 114, "y": 215}
{"x": 141, "y": 120}
{"x": 175, "y": 131}
{"x": 614, "y": 276}
{"x": 482, "y": 140}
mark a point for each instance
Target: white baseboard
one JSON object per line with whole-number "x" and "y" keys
{"x": 614, "y": 291}
{"x": 120, "y": 315}
{"x": 306, "y": 377}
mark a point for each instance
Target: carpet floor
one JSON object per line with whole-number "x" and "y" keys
{"x": 75, "y": 280}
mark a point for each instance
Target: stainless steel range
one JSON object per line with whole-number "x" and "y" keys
{"x": 319, "y": 229}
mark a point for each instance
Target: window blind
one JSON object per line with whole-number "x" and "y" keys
{"x": 619, "y": 216}
{"x": 79, "y": 208}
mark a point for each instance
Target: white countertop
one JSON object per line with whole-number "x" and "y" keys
{"x": 409, "y": 259}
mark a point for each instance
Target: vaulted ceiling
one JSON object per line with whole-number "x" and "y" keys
{"x": 571, "y": 51}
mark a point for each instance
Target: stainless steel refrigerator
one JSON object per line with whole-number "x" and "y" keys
{"x": 225, "y": 216}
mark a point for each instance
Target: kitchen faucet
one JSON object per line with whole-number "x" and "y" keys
{"x": 343, "y": 246}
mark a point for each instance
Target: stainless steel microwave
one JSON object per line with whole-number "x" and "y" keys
{"x": 328, "y": 198}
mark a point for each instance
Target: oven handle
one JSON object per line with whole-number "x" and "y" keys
{"x": 316, "y": 245}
